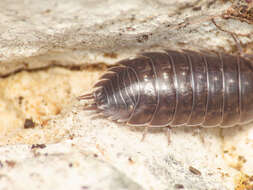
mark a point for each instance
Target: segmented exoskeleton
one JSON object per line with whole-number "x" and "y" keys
{"x": 177, "y": 88}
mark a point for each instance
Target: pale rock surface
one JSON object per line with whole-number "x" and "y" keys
{"x": 86, "y": 153}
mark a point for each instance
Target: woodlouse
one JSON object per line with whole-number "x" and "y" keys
{"x": 177, "y": 88}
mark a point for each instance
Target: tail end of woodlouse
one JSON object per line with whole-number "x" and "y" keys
{"x": 97, "y": 100}
{"x": 87, "y": 96}
{"x": 91, "y": 107}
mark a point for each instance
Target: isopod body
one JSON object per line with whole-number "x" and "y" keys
{"x": 177, "y": 88}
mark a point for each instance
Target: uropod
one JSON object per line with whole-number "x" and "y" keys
{"x": 176, "y": 88}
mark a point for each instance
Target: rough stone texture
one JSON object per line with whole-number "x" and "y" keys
{"x": 65, "y": 32}
{"x": 86, "y": 153}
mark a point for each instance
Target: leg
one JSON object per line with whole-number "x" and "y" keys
{"x": 234, "y": 36}
{"x": 144, "y": 133}
{"x": 200, "y": 135}
{"x": 237, "y": 34}
{"x": 238, "y": 44}
{"x": 239, "y": 47}
{"x": 168, "y": 134}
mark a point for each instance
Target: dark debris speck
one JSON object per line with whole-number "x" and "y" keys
{"x": 179, "y": 186}
{"x": 20, "y": 100}
{"x": 194, "y": 171}
{"x": 10, "y": 163}
{"x": 29, "y": 124}
{"x": 196, "y": 8}
{"x": 142, "y": 38}
{"x": 38, "y": 146}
